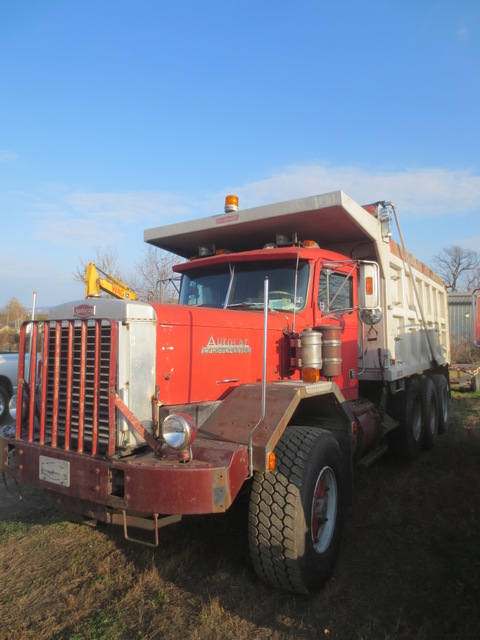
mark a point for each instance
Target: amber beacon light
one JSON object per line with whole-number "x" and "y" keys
{"x": 231, "y": 204}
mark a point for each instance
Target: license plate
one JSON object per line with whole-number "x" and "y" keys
{"x": 54, "y": 471}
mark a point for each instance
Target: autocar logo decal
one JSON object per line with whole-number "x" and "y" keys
{"x": 84, "y": 310}
{"x": 226, "y": 345}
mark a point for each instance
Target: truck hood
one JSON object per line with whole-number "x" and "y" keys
{"x": 203, "y": 353}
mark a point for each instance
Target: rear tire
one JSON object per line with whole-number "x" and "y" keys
{"x": 296, "y": 512}
{"x": 407, "y": 408}
{"x": 443, "y": 399}
{"x": 430, "y": 409}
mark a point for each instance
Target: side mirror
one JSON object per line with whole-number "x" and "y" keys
{"x": 369, "y": 293}
{"x": 369, "y": 285}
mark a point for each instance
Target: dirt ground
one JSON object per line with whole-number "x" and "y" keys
{"x": 409, "y": 566}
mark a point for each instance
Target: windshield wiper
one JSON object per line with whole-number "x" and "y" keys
{"x": 245, "y": 305}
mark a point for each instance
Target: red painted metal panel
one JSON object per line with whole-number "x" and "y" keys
{"x": 68, "y": 398}
{"x": 81, "y": 399}
{"x": 204, "y": 353}
{"x": 21, "y": 381}
{"x": 347, "y": 381}
{"x": 32, "y": 380}
{"x": 111, "y": 388}
{"x": 96, "y": 389}
{"x": 56, "y": 383}
{"x": 45, "y": 366}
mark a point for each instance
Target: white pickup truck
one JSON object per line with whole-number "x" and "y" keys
{"x": 8, "y": 381}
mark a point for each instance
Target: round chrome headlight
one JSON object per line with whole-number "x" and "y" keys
{"x": 179, "y": 430}
{"x": 12, "y": 407}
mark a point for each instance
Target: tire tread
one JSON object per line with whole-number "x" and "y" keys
{"x": 272, "y": 538}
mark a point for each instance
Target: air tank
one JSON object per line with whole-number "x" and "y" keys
{"x": 331, "y": 351}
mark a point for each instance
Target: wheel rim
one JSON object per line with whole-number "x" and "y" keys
{"x": 324, "y": 509}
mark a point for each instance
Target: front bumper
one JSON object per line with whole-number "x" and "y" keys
{"x": 143, "y": 483}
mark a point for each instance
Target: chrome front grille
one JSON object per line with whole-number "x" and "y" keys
{"x": 74, "y": 407}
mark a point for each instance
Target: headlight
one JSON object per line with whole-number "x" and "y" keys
{"x": 12, "y": 407}
{"x": 179, "y": 430}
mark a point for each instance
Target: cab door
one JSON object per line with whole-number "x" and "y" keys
{"x": 336, "y": 304}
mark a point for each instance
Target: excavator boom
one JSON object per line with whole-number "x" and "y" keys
{"x": 94, "y": 284}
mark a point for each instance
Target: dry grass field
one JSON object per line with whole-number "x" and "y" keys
{"x": 409, "y": 566}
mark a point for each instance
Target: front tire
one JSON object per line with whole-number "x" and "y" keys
{"x": 296, "y": 512}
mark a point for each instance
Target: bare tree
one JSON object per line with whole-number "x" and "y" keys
{"x": 459, "y": 267}
{"x": 105, "y": 259}
{"x": 474, "y": 280}
{"x": 154, "y": 279}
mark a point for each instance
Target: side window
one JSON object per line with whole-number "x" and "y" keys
{"x": 335, "y": 291}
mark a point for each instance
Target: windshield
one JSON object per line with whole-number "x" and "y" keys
{"x": 240, "y": 285}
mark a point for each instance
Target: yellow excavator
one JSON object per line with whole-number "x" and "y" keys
{"x": 94, "y": 284}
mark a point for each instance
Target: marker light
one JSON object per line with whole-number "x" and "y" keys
{"x": 369, "y": 285}
{"x": 310, "y": 375}
{"x": 271, "y": 461}
{"x": 231, "y": 204}
{"x": 310, "y": 244}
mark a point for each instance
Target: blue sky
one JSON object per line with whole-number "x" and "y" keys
{"x": 121, "y": 115}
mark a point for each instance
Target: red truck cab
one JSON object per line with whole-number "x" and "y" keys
{"x": 219, "y": 322}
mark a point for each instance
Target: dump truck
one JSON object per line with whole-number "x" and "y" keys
{"x": 305, "y": 341}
